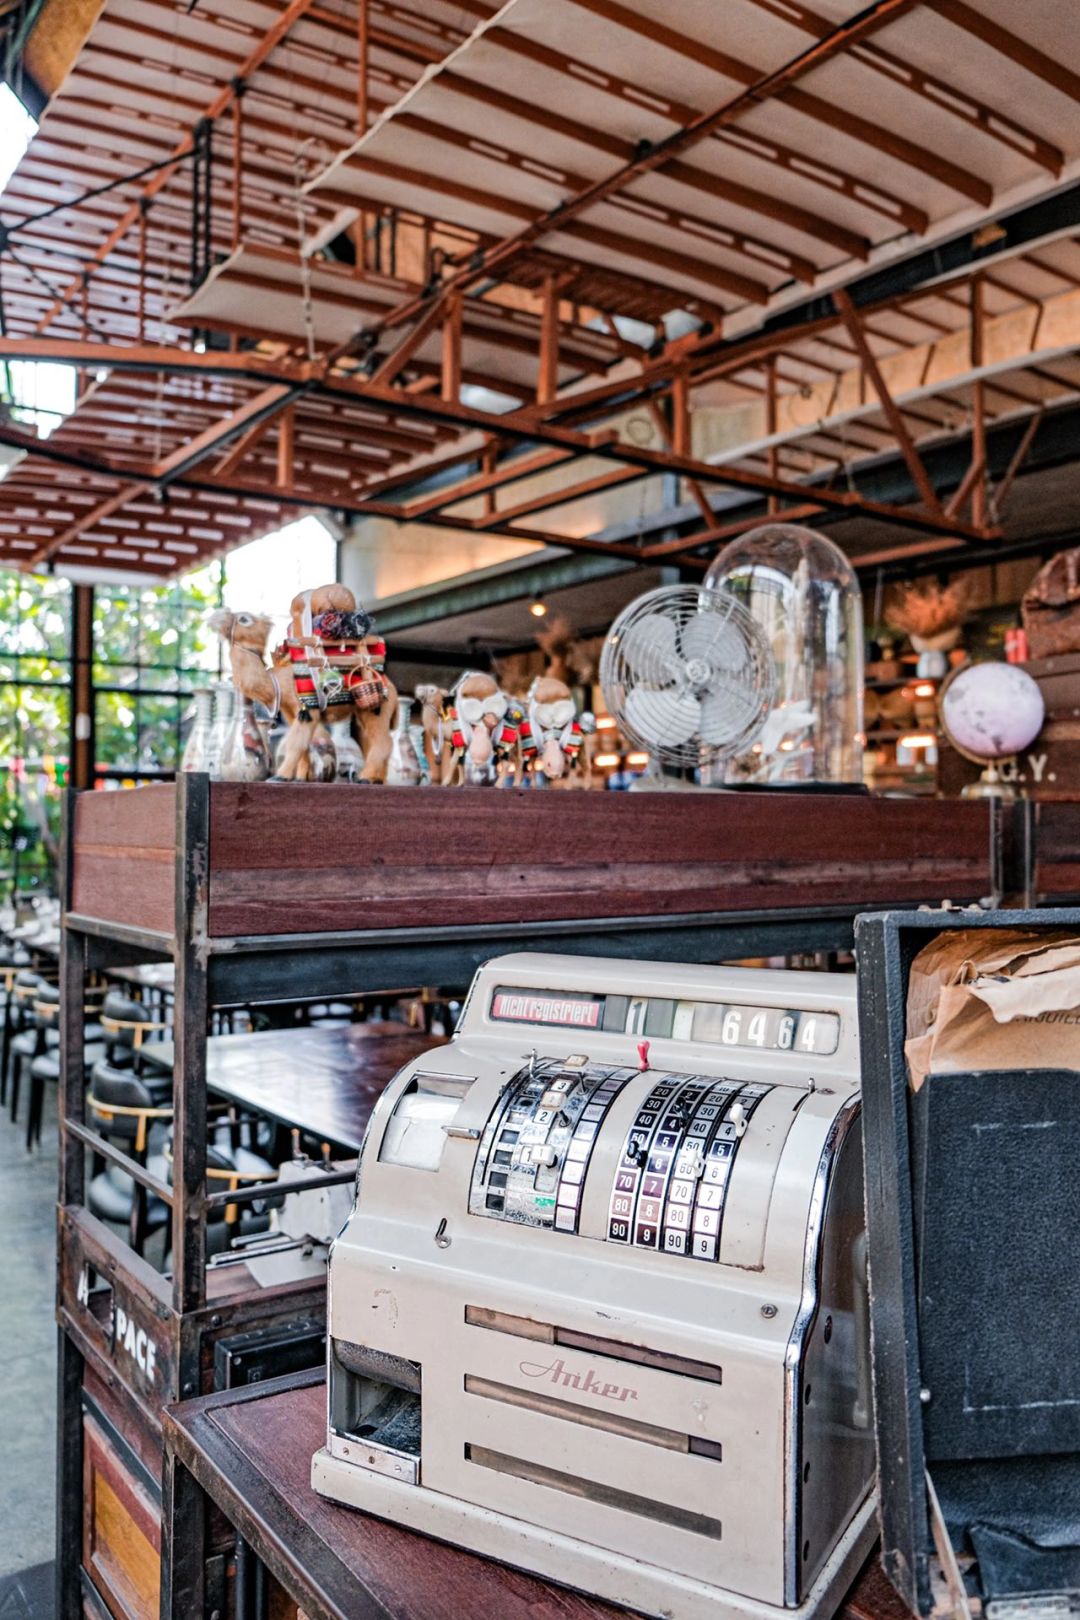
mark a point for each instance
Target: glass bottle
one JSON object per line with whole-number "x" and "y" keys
{"x": 350, "y": 760}
{"x": 224, "y": 704}
{"x": 196, "y": 749}
{"x": 403, "y": 769}
{"x": 244, "y": 754}
{"x": 804, "y": 594}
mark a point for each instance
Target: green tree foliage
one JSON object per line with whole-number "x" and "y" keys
{"x": 151, "y": 650}
{"x": 34, "y": 721}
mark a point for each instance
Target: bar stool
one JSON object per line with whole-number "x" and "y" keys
{"x": 125, "y": 1108}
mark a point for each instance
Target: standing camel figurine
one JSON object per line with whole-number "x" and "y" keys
{"x": 311, "y": 689}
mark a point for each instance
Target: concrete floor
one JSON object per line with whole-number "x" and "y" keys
{"x": 27, "y": 1341}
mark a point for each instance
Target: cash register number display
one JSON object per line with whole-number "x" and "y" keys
{"x": 600, "y": 1309}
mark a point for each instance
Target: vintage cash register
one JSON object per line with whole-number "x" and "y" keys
{"x": 600, "y": 1310}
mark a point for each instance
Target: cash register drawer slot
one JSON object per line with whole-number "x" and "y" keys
{"x": 588, "y": 1490}
{"x": 650, "y": 1433}
{"x": 523, "y": 1327}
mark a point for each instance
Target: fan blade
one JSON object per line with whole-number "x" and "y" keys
{"x": 662, "y": 719}
{"x": 726, "y": 712}
{"x": 649, "y": 648}
{"x": 711, "y": 637}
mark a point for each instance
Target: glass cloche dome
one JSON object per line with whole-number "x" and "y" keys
{"x": 804, "y": 594}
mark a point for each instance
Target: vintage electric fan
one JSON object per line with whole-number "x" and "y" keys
{"x": 989, "y": 713}
{"x": 689, "y": 677}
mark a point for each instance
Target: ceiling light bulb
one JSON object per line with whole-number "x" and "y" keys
{"x": 538, "y": 608}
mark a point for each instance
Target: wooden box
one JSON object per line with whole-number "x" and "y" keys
{"x": 305, "y": 859}
{"x": 1054, "y": 854}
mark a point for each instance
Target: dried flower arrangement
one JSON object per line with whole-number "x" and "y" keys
{"x": 931, "y": 614}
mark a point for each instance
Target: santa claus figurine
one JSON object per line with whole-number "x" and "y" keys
{"x": 554, "y": 737}
{"x": 479, "y": 732}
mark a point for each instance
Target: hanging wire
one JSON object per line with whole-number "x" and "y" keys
{"x": 96, "y": 191}
{"x": 55, "y": 294}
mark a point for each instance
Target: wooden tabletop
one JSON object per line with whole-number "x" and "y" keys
{"x": 250, "y": 1451}
{"x": 323, "y": 1080}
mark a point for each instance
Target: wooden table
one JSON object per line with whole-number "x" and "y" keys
{"x": 324, "y": 1081}
{"x": 249, "y": 1451}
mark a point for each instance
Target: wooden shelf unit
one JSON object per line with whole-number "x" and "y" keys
{"x": 291, "y": 892}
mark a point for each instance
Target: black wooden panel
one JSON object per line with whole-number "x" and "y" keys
{"x": 997, "y": 1173}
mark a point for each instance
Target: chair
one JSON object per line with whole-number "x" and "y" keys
{"x": 9, "y": 970}
{"x": 127, "y": 1025}
{"x": 233, "y": 1167}
{"x": 125, "y": 1108}
{"x": 45, "y": 1060}
{"x": 20, "y": 1038}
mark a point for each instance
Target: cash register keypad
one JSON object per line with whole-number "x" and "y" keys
{"x": 670, "y": 1183}
{"x": 536, "y": 1147}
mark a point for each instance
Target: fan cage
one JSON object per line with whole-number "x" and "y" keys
{"x": 678, "y": 646}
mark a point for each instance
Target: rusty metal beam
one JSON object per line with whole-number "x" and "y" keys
{"x": 254, "y": 60}
{"x": 545, "y": 500}
{"x": 989, "y": 120}
{"x": 1001, "y": 494}
{"x": 817, "y": 108}
{"x": 259, "y": 408}
{"x": 242, "y": 448}
{"x": 566, "y": 212}
{"x": 515, "y": 424}
{"x": 451, "y": 349}
{"x": 1010, "y": 45}
{"x": 362, "y": 66}
{"x": 895, "y": 418}
{"x": 868, "y": 194}
{"x": 405, "y": 350}
{"x": 718, "y": 187}
{"x": 547, "y": 381}
{"x": 96, "y": 515}
{"x": 665, "y": 550}
{"x": 978, "y": 402}
{"x": 962, "y": 493}
{"x": 286, "y": 446}
{"x": 238, "y": 171}
{"x": 483, "y": 483}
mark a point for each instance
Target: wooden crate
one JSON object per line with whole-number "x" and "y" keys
{"x": 133, "y": 1357}
{"x": 121, "y": 1522}
{"x": 303, "y": 859}
{"x": 1055, "y": 854}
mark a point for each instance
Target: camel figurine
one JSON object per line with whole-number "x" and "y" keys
{"x": 303, "y": 681}
{"x": 477, "y": 731}
{"x": 433, "y": 701}
{"x": 557, "y": 744}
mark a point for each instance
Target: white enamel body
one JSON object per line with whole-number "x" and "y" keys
{"x": 707, "y": 1449}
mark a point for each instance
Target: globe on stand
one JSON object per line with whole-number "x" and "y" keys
{"x": 991, "y": 712}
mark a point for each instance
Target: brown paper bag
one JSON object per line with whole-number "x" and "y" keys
{"x": 994, "y": 999}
